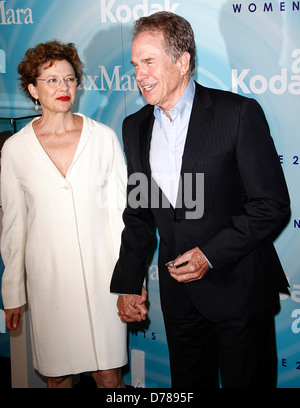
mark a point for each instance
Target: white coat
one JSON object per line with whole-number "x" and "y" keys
{"x": 66, "y": 231}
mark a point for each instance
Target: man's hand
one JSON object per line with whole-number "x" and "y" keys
{"x": 132, "y": 307}
{"x": 195, "y": 266}
{"x": 13, "y": 318}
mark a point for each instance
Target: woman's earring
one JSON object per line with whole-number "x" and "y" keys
{"x": 36, "y": 105}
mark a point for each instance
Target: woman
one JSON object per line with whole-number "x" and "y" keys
{"x": 63, "y": 178}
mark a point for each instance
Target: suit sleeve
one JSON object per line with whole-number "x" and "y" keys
{"x": 266, "y": 198}
{"x": 13, "y": 237}
{"x": 138, "y": 238}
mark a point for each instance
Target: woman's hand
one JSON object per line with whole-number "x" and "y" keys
{"x": 13, "y": 318}
{"x": 132, "y": 307}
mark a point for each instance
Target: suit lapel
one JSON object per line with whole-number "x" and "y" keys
{"x": 145, "y": 139}
{"x": 200, "y": 120}
{"x": 201, "y": 117}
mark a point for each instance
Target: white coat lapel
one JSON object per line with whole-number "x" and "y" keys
{"x": 42, "y": 154}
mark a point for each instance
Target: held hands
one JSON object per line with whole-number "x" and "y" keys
{"x": 194, "y": 266}
{"x": 132, "y": 307}
{"x": 13, "y": 318}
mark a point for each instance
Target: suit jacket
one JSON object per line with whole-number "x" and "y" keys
{"x": 245, "y": 202}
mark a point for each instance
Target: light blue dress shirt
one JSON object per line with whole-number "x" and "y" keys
{"x": 167, "y": 143}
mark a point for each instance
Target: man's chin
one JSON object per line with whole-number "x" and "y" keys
{"x": 149, "y": 99}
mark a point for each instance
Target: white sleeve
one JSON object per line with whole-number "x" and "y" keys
{"x": 116, "y": 195}
{"x": 13, "y": 236}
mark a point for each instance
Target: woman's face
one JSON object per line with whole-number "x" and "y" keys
{"x": 55, "y": 87}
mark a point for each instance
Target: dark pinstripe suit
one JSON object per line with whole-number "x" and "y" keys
{"x": 245, "y": 202}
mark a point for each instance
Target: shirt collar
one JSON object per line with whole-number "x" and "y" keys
{"x": 185, "y": 100}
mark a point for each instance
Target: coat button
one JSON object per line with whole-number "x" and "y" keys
{"x": 177, "y": 219}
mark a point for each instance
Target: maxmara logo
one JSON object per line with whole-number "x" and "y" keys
{"x": 14, "y": 16}
{"x": 112, "y": 80}
{"x": 113, "y": 12}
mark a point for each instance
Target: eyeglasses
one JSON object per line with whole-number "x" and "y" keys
{"x": 54, "y": 82}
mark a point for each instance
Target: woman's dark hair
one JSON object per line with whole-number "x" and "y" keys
{"x": 47, "y": 53}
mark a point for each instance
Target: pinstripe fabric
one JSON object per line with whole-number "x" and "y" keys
{"x": 245, "y": 202}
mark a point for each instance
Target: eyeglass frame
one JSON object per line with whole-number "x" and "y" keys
{"x": 71, "y": 84}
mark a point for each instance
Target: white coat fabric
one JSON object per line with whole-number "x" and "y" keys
{"x": 66, "y": 231}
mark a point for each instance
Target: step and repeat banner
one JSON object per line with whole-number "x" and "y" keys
{"x": 248, "y": 47}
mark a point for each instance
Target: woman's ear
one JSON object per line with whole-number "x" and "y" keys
{"x": 33, "y": 91}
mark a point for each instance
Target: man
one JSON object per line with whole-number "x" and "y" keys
{"x": 219, "y": 296}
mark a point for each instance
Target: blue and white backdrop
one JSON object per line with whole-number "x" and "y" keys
{"x": 248, "y": 47}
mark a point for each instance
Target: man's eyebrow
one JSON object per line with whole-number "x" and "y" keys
{"x": 143, "y": 60}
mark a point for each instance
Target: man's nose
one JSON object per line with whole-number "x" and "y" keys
{"x": 140, "y": 73}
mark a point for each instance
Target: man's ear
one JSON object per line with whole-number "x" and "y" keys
{"x": 33, "y": 91}
{"x": 184, "y": 61}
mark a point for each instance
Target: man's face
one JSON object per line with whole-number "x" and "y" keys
{"x": 161, "y": 81}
